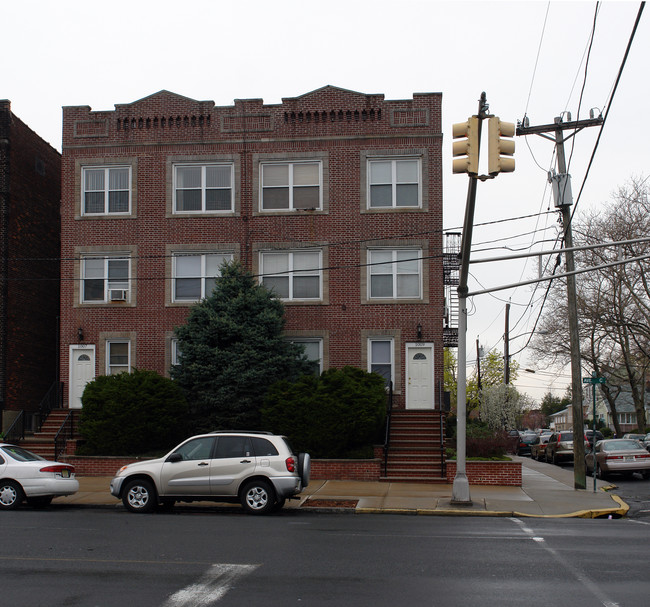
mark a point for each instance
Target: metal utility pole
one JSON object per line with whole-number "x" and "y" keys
{"x": 563, "y": 200}
{"x": 506, "y": 348}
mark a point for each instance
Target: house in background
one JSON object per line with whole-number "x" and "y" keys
{"x": 30, "y": 194}
{"x": 333, "y": 199}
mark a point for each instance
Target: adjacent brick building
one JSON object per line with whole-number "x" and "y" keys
{"x": 30, "y": 193}
{"x": 333, "y": 198}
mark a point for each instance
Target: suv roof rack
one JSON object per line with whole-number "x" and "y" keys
{"x": 241, "y": 432}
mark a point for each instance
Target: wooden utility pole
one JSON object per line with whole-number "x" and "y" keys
{"x": 564, "y": 201}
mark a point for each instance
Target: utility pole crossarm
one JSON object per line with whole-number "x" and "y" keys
{"x": 547, "y": 128}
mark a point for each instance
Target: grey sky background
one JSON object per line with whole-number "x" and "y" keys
{"x": 529, "y": 57}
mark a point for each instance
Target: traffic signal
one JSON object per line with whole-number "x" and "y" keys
{"x": 500, "y": 149}
{"x": 468, "y": 147}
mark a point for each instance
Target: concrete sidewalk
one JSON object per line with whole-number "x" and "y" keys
{"x": 546, "y": 491}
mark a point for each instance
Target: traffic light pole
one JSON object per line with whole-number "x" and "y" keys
{"x": 579, "y": 472}
{"x": 460, "y": 488}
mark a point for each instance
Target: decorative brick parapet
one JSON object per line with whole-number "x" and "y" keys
{"x": 506, "y": 474}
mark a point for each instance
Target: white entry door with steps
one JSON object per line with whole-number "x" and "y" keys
{"x": 82, "y": 370}
{"x": 419, "y": 376}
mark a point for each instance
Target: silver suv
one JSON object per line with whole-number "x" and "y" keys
{"x": 257, "y": 469}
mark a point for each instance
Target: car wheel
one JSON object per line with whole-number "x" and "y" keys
{"x": 11, "y": 495}
{"x": 258, "y": 497}
{"x": 599, "y": 473}
{"x": 645, "y": 475}
{"x": 554, "y": 459}
{"x": 40, "y": 502}
{"x": 139, "y": 496}
{"x": 304, "y": 468}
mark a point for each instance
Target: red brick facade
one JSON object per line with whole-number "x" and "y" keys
{"x": 328, "y": 142}
{"x": 30, "y": 193}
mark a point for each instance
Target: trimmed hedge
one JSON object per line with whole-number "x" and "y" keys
{"x": 131, "y": 413}
{"x": 340, "y": 414}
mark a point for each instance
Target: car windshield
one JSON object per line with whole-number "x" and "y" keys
{"x": 529, "y": 438}
{"x": 22, "y": 455}
{"x": 621, "y": 445}
{"x": 566, "y": 436}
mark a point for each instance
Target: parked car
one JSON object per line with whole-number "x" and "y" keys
{"x": 258, "y": 469}
{"x": 634, "y": 436}
{"x": 619, "y": 455}
{"x": 646, "y": 441}
{"x": 538, "y": 447}
{"x": 560, "y": 447}
{"x": 590, "y": 437}
{"x": 27, "y": 476}
{"x": 525, "y": 442}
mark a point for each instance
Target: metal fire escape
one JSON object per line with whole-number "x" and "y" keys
{"x": 450, "y": 268}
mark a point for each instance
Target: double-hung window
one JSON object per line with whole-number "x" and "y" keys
{"x": 106, "y": 190}
{"x": 313, "y": 351}
{"x": 291, "y": 185}
{"x": 292, "y": 274}
{"x": 203, "y": 188}
{"x": 194, "y": 274}
{"x": 380, "y": 358}
{"x": 105, "y": 279}
{"x": 118, "y": 356}
{"x": 394, "y": 183}
{"x": 395, "y": 273}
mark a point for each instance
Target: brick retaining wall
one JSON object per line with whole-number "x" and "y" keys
{"x": 478, "y": 473}
{"x": 489, "y": 473}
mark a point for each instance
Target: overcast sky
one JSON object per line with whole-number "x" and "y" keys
{"x": 529, "y": 57}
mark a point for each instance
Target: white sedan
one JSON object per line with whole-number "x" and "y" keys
{"x": 27, "y": 476}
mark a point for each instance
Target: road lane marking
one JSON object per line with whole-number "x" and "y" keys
{"x": 584, "y": 579}
{"x": 212, "y": 586}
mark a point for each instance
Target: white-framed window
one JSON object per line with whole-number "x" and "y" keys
{"x": 106, "y": 190}
{"x": 394, "y": 183}
{"x": 118, "y": 356}
{"x": 203, "y": 188}
{"x": 291, "y": 185}
{"x": 105, "y": 278}
{"x": 313, "y": 351}
{"x": 627, "y": 418}
{"x": 292, "y": 274}
{"x": 394, "y": 273}
{"x": 381, "y": 358}
{"x": 194, "y": 274}
{"x": 175, "y": 352}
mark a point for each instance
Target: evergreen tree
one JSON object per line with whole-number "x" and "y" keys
{"x": 231, "y": 350}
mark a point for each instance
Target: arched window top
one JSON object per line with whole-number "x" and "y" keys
{"x": 419, "y": 356}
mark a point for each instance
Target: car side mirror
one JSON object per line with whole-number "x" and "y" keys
{"x": 175, "y": 457}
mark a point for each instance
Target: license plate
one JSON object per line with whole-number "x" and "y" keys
{"x": 65, "y": 473}
{"x": 629, "y": 458}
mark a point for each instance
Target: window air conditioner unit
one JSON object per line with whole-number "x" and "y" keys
{"x": 117, "y": 294}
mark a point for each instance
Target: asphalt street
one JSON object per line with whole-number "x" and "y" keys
{"x": 102, "y": 558}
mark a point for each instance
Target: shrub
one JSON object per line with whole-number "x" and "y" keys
{"x": 131, "y": 414}
{"x": 339, "y": 414}
{"x": 483, "y": 442}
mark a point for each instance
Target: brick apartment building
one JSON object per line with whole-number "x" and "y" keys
{"x": 332, "y": 198}
{"x": 30, "y": 194}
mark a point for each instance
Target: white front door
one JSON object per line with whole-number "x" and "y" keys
{"x": 419, "y": 372}
{"x": 82, "y": 370}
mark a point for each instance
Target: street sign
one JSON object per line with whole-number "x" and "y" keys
{"x": 594, "y": 380}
